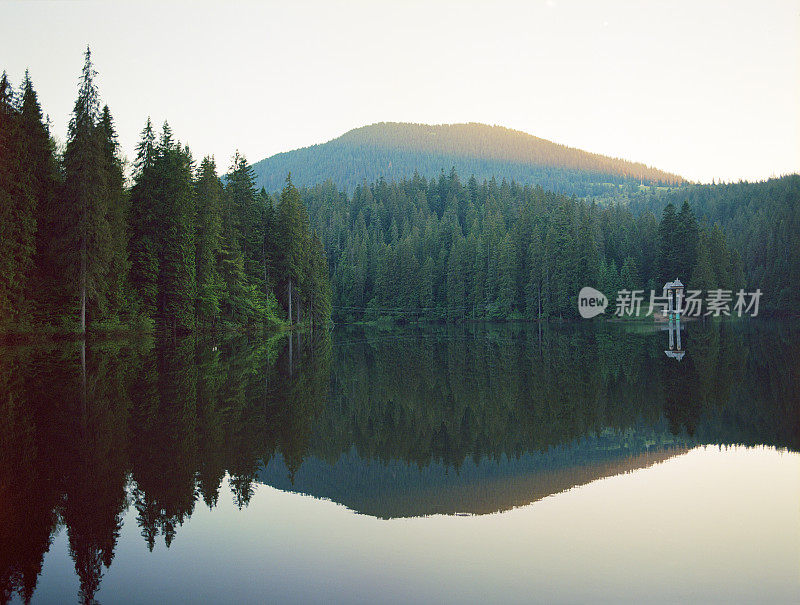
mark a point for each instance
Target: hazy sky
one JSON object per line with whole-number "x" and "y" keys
{"x": 704, "y": 89}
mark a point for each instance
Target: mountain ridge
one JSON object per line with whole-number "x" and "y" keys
{"x": 397, "y": 150}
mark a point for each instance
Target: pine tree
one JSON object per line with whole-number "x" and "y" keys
{"x": 668, "y": 267}
{"x": 17, "y": 210}
{"x": 629, "y": 275}
{"x": 116, "y": 202}
{"x": 506, "y": 282}
{"x": 687, "y": 239}
{"x": 143, "y": 245}
{"x": 533, "y": 289}
{"x": 18, "y": 189}
{"x": 89, "y": 252}
{"x": 456, "y": 286}
{"x": 175, "y": 213}
{"x": 703, "y": 277}
{"x": 292, "y": 229}
{"x": 45, "y": 289}
{"x": 560, "y": 263}
{"x": 720, "y": 257}
{"x": 248, "y": 217}
{"x": 319, "y": 287}
{"x": 208, "y": 243}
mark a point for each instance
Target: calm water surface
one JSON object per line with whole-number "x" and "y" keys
{"x": 569, "y": 464}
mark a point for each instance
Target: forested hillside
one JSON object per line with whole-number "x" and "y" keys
{"x": 181, "y": 249}
{"x": 395, "y": 151}
{"x": 80, "y": 250}
{"x": 762, "y": 221}
{"x": 443, "y": 249}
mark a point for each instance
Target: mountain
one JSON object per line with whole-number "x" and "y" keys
{"x": 394, "y": 150}
{"x": 395, "y": 489}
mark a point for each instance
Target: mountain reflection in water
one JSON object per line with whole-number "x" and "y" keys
{"x": 400, "y": 423}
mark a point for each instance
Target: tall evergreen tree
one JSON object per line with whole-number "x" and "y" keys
{"x": 45, "y": 289}
{"x": 116, "y": 202}
{"x": 143, "y": 244}
{"x": 292, "y": 227}
{"x": 687, "y": 240}
{"x": 668, "y": 267}
{"x": 17, "y": 208}
{"x": 175, "y": 213}
{"x": 208, "y": 242}
{"x": 88, "y": 255}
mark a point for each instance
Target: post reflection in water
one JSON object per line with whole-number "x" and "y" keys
{"x": 391, "y": 424}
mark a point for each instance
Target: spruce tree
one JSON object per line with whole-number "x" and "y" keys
{"x": 687, "y": 239}
{"x": 45, "y": 289}
{"x": 248, "y": 217}
{"x": 175, "y": 212}
{"x": 292, "y": 227}
{"x": 208, "y": 242}
{"x": 116, "y": 201}
{"x": 17, "y": 210}
{"x": 89, "y": 251}
{"x": 143, "y": 227}
{"x": 668, "y": 267}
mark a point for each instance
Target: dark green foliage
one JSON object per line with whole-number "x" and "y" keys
{"x": 292, "y": 262}
{"x": 44, "y": 290}
{"x": 78, "y": 251}
{"x": 761, "y": 225}
{"x": 175, "y": 218}
{"x": 116, "y": 199}
{"x": 668, "y": 245}
{"x": 395, "y": 151}
{"x": 208, "y": 243}
{"x": 497, "y": 251}
{"x": 687, "y": 236}
{"x": 143, "y": 223}
{"x": 89, "y": 250}
{"x": 18, "y": 195}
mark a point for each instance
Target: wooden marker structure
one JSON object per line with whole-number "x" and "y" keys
{"x": 673, "y": 292}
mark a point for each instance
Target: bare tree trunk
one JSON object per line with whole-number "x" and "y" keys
{"x": 290, "y": 353}
{"x": 540, "y": 302}
{"x": 83, "y": 279}
{"x": 83, "y": 378}
{"x": 290, "y": 301}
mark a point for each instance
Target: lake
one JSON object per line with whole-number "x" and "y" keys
{"x": 479, "y": 463}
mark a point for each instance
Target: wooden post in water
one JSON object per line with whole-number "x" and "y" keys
{"x": 674, "y": 293}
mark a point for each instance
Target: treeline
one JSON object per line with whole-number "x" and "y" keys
{"x": 443, "y": 250}
{"x": 180, "y": 248}
{"x": 395, "y": 151}
{"x": 762, "y": 221}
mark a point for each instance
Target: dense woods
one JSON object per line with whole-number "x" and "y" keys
{"x": 762, "y": 224}
{"x": 396, "y": 151}
{"x": 182, "y": 248}
{"x": 179, "y": 249}
{"x": 447, "y": 250}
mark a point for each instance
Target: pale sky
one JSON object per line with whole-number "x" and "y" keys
{"x": 705, "y": 89}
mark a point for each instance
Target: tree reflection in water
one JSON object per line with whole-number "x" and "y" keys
{"x": 392, "y": 423}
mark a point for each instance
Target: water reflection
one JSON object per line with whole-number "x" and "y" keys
{"x": 675, "y": 350}
{"x": 391, "y": 424}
